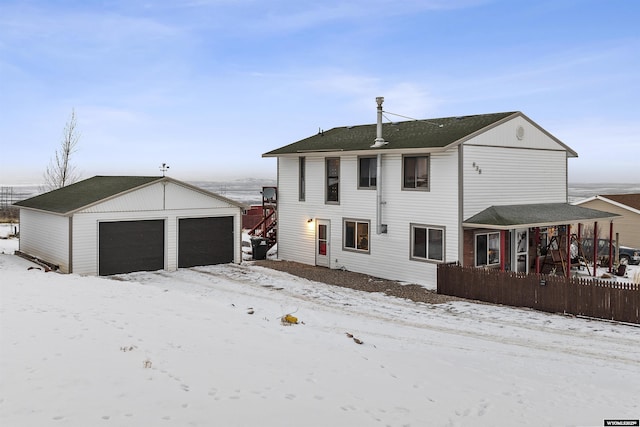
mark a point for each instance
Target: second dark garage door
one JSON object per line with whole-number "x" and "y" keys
{"x": 127, "y": 246}
{"x": 205, "y": 241}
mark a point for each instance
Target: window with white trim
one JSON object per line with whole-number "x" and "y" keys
{"x": 487, "y": 249}
{"x": 427, "y": 243}
{"x": 356, "y": 235}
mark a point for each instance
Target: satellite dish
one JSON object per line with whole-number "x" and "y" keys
{"x": 269, "y": 193}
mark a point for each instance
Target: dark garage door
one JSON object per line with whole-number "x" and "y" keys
{"x": 127, "y": 246}
{"x": 205, "y": 241}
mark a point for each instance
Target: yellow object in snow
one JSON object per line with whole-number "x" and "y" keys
{"x": 290, "y": 319}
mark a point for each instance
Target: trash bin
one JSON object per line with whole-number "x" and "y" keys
{"x": 259, "y": 247}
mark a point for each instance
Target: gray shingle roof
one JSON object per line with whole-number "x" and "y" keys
{"x": 75, "y": 196}
{"x": 535, "y": 215}
{"x": 431, "y": 133}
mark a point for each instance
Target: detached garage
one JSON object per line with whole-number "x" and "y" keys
{"x": 120, "y": 224}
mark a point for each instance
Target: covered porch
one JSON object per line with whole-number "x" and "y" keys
{"x": 535, "y": 238}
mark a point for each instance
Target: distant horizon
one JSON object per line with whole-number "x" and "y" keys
{"x": 250, "y": 194}
{"x": 26, "y": 183}
{"x": 34, "y": 184}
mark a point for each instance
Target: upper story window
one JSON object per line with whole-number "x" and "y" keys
{"x": 333, "y": 180}
{"x": 301, "y": 178}
{"x": 427, "y": 243}
{"x": 356, "y": 235}
{"x": 367, "y": 172}
{"x": 487, "y": 249}
{"x": 415, "y": 170}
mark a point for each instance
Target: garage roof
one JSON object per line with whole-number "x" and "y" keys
{"x": 71, "y": 198}
{"x": 534, "y": 215}
{"x": 629, "y": 201}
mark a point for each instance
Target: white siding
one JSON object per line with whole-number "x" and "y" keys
{"x": 178, "y": 196}
{"x": 296, "y": 237}
{"x": 504, "y": 135}
{"x": 85, "y": 233}
{"x": 528, "y": 170}
{"x": 389, "y": 253}
{"x": 167, "y": 195}
{"x": 512, "y": 176}
{"x": 45, "y": 236}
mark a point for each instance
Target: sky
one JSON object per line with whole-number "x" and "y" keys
{"x": 208, "y": 86}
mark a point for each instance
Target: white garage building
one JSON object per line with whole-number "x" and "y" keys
{"x": 119, "y": 224}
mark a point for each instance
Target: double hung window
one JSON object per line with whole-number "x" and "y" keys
{"x": 367, "y": 172}
{"x": 356, "y": 235}
{"x": 427, "y": 243}
{"x": 415, "y": 170}
{"x": 301, "y": 178}
{"x": 333, "y": 180}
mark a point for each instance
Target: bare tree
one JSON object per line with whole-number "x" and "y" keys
{"x": 61, "y": 171}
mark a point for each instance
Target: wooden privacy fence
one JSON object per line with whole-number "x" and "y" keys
{"x": 556, "y": 294}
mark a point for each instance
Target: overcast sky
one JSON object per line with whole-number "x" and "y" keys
{"x": 207, "y": 86}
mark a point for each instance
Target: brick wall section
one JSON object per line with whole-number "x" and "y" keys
{"x": 468, "y": 249}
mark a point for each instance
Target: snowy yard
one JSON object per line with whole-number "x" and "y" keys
{"x": 205, "y": 346}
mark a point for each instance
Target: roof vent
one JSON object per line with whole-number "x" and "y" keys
{"x": 379, "y": 141}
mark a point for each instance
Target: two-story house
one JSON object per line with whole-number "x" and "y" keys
{"x": 394, "y": 199}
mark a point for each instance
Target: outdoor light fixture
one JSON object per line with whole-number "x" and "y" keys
{"x": 310, "y": 220}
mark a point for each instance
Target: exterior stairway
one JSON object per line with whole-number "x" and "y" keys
{"x": 267, "y": 228}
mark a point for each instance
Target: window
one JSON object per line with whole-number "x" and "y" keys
{"x": 356, "y": 235}
{"x": 367, "y": 172}
{"x": 415, "y": 171}
{"x": 487, "y": 249}
{"x": 333, "y": 180}
{"x": 301, "y": 178}
{"x": 427, "y": 243}
{"x": 322, "y": 239}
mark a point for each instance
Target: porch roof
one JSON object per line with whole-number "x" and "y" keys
{"x": 534, "y": 215}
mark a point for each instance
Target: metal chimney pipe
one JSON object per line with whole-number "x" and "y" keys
{"x": 379, "y": 141}
{"x": 379, "y": 101}
{"x": 380, "y": 228}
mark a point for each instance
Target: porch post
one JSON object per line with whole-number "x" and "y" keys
{"x": 611, "y": 247}
{"x": 580, "y": 232}
{"x": 503, "y": 245}
{"x": 568, "y": 272}
{"x": 595, "y": 248}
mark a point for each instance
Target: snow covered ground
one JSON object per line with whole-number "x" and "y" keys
{"x": 205, "y": 346}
